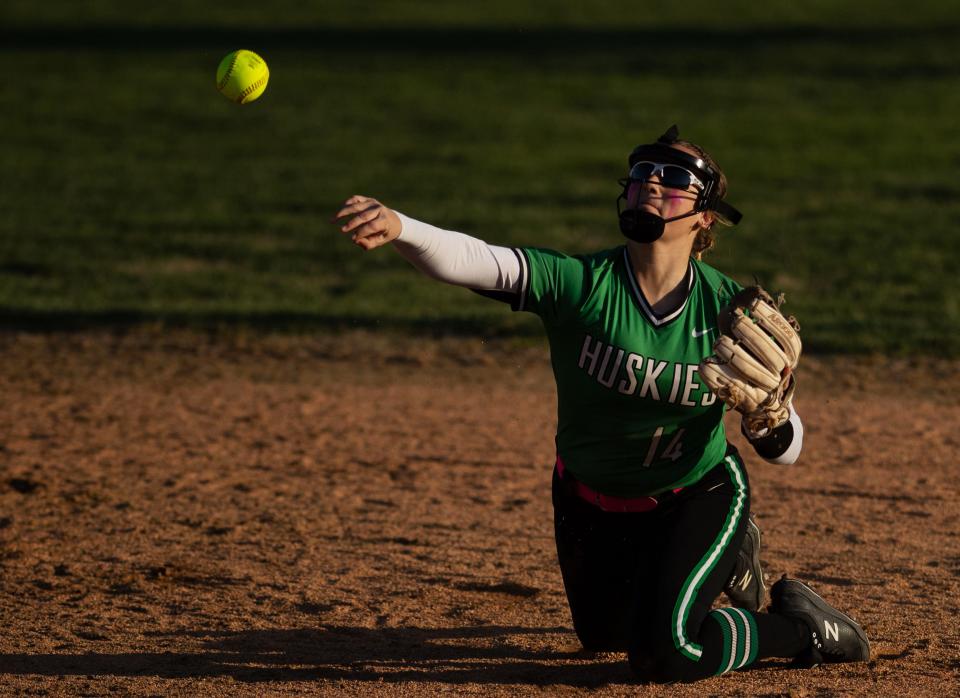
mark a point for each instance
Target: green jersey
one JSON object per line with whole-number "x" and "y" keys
{"x": 633, "y": 416}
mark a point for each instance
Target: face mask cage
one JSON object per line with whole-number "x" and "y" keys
{"x": 708, "y": 199}
{"x": 665, "y": 155}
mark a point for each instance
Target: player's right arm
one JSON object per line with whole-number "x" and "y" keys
{"x": 445, "y": 255}
{"x": 541, "y": 281}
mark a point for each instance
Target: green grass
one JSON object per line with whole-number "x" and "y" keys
{"x": 132, "y": 192}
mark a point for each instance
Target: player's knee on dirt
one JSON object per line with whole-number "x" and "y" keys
{"x": 659, "y": 660}
{"x": 668, "y": 666}
{"x": 599, "y": 637}
{"x": 661, "y": 667}
{"x": 643, "y": 666}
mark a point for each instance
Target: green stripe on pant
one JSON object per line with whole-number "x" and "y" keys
{"x": 694, "y": 581}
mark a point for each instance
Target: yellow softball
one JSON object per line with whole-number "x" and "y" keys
{"x": 242, "y": 76}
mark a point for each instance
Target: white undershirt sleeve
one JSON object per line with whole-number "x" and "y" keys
{"x": 790, "y": 456}
{"x": 791, "y": 451}
{"x": 456, "y": 258}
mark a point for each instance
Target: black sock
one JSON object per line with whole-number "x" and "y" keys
{"x": 781, "y": 636}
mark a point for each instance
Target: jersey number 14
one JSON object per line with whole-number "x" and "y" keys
{"x": 672, "y": 451}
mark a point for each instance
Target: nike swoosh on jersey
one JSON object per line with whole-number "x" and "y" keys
{"x": 697, "y": 335}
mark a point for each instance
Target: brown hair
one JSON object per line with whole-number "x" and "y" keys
{"x": 705, "y": 236}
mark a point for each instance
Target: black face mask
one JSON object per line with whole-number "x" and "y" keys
{"x": 641, "y": 226}
{"x": 644, "y": 226}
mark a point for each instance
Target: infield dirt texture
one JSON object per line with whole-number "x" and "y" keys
{"x": 372, "y": 517}
{"x": 240, "y": 457}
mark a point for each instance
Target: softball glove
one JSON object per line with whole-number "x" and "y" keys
{"x": 753, "y": 359}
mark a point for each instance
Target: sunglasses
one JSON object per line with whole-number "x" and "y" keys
{"x": 672, "y": 176}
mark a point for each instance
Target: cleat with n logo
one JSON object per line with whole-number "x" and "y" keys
{"x": 745, "y": 586}
{"x": 831, "y": 630}
{"x": 834, "y": 636}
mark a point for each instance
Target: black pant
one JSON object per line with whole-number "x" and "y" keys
{"x": 645, "y": 582}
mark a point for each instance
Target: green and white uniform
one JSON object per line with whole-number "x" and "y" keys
{"x": 633, "y": 416}
{"x": 633, "y": 420}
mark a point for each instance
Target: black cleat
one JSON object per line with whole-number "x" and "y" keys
{"x": 745, "y": 586}
{"x": 835, "y": 637}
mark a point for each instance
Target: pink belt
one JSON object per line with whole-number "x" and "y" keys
{"x": 608, "y": 502}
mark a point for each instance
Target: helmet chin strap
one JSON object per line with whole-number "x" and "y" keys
{"x": 644, "y": 226}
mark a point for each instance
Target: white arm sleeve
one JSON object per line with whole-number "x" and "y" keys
{"x": 782, "y": 447}
{"x": 457, "y": 258}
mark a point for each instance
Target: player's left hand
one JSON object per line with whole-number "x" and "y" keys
{"x": 754, "y": 358}
{"x": 370, "y": 224}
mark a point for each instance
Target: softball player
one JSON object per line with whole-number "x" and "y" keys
{"x": 651, "y": 503}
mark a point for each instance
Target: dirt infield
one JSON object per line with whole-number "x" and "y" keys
{"x": 358, "y": 515}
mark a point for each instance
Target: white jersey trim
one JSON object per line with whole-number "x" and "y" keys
{"x": 656, "y": 320}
